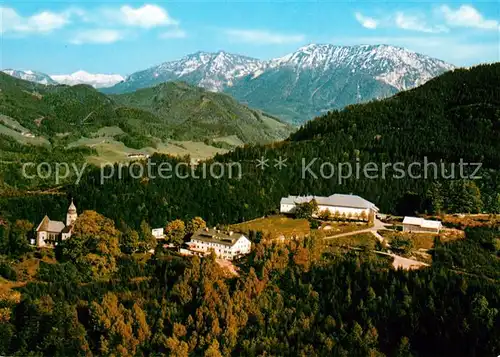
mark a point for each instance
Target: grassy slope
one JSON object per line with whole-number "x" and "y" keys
{"x": 275, "y": 226}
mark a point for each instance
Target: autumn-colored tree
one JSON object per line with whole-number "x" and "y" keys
{"x": 325, "y": 215}
{"x": 99, "y": 232}
{"x": 121, "y": 331}
{"x": 195, "y": 224}
{"x": 301, "y": 257}
{"x": 175, "y": 232}
{"x": 213, "y": 350}
{"x": 177, "y": 348}
{"x": 94, "y": 245}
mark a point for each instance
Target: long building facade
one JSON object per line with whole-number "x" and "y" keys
{"x": 225, "y": 245}
{"x": 340, "y": 205}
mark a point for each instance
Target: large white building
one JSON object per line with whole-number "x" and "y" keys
{"x": 49, "y": 232}
{"x": 226, "y": 245}
{"x": 349, "y": 206}
{"x": 420, "y": 225}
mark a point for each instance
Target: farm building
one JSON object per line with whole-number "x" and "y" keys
{"x": 420, "y": 225}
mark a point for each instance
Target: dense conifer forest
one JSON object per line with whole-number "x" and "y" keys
{"x": 300, "y": 298}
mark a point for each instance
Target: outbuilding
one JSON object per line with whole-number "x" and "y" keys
{"x": 420, "y": 225}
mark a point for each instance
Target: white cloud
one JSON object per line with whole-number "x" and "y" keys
{"x": 416, "y": 23}
{"x": 99, "y": 25}
{"x": 118, "y": 19}
{"x": 405, "y": 21}
{"x": 467, "y": 16}
{"x": 146, "y": 16}
{"x": 368, "y": 22}
{"x": 175, "y": 33}
{"x": 42, "y": 22}
{"x": 262, "y": 37}
{"x": 98, "y": 36}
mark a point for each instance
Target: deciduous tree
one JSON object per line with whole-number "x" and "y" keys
{"x": 195, "y": 224}
{"x": 175, "y": 232}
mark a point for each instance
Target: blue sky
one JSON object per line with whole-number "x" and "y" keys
{"x": 58, "y": 37}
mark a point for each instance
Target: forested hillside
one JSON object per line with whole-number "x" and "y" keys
{"x": 300, "y": 298}
{"x": 171, "y": 110}
{"x": 47, "y": 123}
{"x": 454, "y": 116}
{"x": 51, "y": 110}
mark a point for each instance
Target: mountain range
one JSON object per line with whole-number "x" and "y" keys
{"x": 298, "y": 86}
{"x": 302, "y": 84}
{"x": 96, "y": 80}
{"x": 31, "y": 76}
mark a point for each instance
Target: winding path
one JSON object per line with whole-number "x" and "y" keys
{"x": 377, "y": 225}
{"x": 399, "y": 262}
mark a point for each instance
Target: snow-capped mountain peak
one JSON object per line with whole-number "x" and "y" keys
{"x": 29, "y": 75}
{"x": 313, "y": 79}
{"x": 211, "y": 70}
{"x": 396, "y": 66}
{"x": 79, "y": 77}
{"x": 83, "y": 77}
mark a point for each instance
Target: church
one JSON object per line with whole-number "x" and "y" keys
{"x": 50, "y": 232}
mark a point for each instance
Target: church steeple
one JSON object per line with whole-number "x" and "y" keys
{"x": 72, "y": 214}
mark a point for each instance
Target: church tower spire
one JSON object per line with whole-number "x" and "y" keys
{"x": 72, "y": 214}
